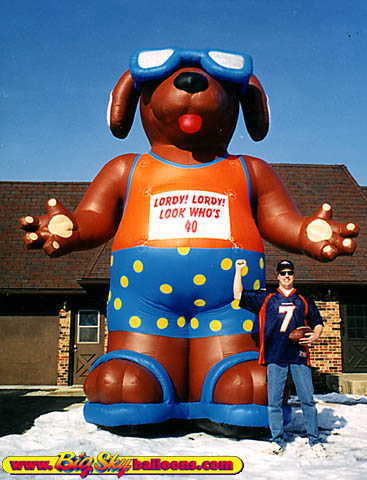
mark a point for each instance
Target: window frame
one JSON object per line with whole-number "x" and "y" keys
{"x": 355, "y": 320}
{"x": 79, "y": 327}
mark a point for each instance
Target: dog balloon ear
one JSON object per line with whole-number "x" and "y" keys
{"x": 122, "y": 107}
{"x": 255, "y": 110}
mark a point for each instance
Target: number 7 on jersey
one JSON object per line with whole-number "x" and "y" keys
{"x": 288, "y": 310}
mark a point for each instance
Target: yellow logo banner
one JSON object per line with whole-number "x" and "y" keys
{"x": 68, "y": 463}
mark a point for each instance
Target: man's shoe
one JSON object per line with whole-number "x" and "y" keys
{"x": 319, "y": 450}
{"x": 275, "y": 448}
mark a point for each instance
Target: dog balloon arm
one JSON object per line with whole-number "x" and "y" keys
{"x": 95, "y": 220}
{"x": 281, "y": 223}
{"x": 99, "y": 213}
{"x": 278, "y": 219}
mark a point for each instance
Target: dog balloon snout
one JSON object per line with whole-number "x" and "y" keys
{"x": 191, "y": 82}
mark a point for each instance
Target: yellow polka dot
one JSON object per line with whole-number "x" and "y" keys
{"x": 117, "y": 304}
{"x": 162, "y": 323}
{"x": 199, "y": 302}
{"x": 181, "y": 322}
{"x": 248, "y": 325}
{"x": 194, "y": 323}
{"x": 199, "y": 279}
{"x": 215, "y": 326}
{"x": 261, "y": 263}
{"x": 226, "y": 264}
{"x": 111, "y": 260}
{"x": 244, "y": 271}
{"x": 183, "y": 250}
{"x": 236, "y": 305}
{"x": 165, "y": 288}
{"x": 109, "y": 296}
{"x": 134, "y": 322}
{"x": 124, "y": 281}
{"x": 138, "y": 266}
{"x": 256, "y": 284}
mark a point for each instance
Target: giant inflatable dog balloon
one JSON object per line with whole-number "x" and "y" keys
{"x": 179, "y": 347}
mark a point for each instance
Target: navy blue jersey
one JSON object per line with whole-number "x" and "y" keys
{"x": 278, "y": 316}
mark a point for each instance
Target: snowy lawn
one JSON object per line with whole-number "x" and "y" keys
{"x": 342, "y": 422}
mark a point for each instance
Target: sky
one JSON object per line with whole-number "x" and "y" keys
{"x": 342, "y": 422}
{"x": 60, "y": 60}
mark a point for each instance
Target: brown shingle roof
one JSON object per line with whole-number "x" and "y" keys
{"x": 310, "y": 186}
{"x": 31, "y": 269}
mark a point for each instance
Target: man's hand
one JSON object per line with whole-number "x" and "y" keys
{"x": 240, "y": 264}
{"x": 312, "y": 337}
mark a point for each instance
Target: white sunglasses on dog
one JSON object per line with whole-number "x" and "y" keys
{"x": 148, "y": 65}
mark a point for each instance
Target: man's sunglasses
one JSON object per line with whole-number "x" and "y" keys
{"x": 286, "y": 272}
{"x": 148, "y": 65}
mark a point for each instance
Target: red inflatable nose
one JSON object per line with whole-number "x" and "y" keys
{"x": 190, "y": 123}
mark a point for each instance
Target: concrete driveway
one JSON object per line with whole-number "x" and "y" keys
{"x": 21, "y": 405}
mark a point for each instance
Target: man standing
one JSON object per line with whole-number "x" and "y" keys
{"x": 279, "y": 314}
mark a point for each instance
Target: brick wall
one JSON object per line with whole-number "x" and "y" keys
{"x": 105, "y": 333}
{"x": 63, "y": 356}
{"x": 326, "y": 353}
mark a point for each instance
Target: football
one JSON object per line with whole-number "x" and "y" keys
{"x": 299, "y": 333}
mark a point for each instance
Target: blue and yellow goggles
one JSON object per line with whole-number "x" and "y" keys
{"x": 148, "y": 65}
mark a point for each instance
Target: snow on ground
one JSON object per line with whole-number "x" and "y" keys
{"x": 342, "y": 422}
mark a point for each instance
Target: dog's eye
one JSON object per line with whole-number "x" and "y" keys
{"x": 230, "y": 86}
{"x": 147, "y": 90}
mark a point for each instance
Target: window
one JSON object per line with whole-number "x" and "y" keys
{"x": 88, "y": 326}
{"x": 356, "y": 321}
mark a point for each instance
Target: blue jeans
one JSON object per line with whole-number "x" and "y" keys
{"x": 277, "y": 378}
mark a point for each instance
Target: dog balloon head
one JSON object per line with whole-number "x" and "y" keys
{"x": 189, "y": 98}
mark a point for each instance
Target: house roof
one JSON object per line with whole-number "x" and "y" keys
{"x": 28, "y": 270}
{"x": 310, "y": 185}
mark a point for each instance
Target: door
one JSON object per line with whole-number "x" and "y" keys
{"x": 89, "y": 342}
{"x": 354, "y": 338}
